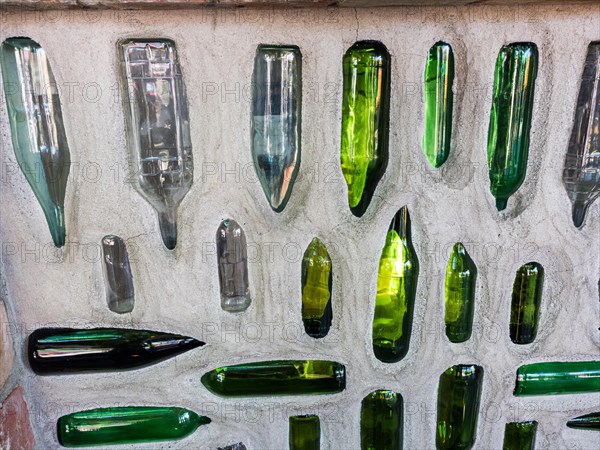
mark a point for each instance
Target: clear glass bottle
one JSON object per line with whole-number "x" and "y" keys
{"x": 276, "y": 112}
{"x": 232, "y": 257}
{"x": 158, "y": 127}
{"x": 117, "y": 275}
{"x": 581, "y": 174}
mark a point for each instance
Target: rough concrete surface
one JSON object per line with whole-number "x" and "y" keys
{"x": 178, "y": 291}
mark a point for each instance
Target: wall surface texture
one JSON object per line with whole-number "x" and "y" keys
{"x": 178, "y": 291}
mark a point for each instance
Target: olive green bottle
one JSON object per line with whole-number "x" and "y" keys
{"x": 461, "y": 274}
{"x": 316, "y": 289}
{"x": 365, "y": 120}
{"x": 525, "y": 305}
{"x": 381, "y": 421}
{"x": 459, "y": 394}
{"x": 396, "y": 291}
{"x": 305, "y": 432}
{"x": 520, "y": 435}
{"x": 510, "y": 119}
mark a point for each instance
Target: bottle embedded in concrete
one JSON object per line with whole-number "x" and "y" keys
{"x": 510, "y": 119}
{"x": 158, "y": 127}
{"x": 36, "y": 125}
{"x": 305, "y": 432}
{"x": 459, "y": 290}
{"x": 276, "y": 118}
{"x": 127, "y": 425}
{"x": 382, "y": 421}
{"x": 459, "y": 395}
{"x": 232, "y": 259}
{"x": 118, "y": 280}
{"x": 554, "y": 378}
{"x": 285, "y": 377}
{"x": 54, "y": 351}
{"x": 525, "y": 305}
{"x": 439, "y": 76}
{"x": 316, "y": 289}
{"x": 520, "y": 435}
{"x": 581, "y": 173}
{"x": 396, "y": 291}
{"x": 589, "y": 421}
{"x": 365, "y": 120}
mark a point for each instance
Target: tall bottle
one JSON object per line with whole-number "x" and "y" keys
{"x": 36, "y": 125}
{"x": 510, "y": 119}
{"x": 232, "y": 259}
{"x": 158, "y": 127}
{"x": 316, "y": 289}
{"x": 459, "y": 290}
{"x": 365, "y": 120}
{"x": 439, "y": 76}
{"x": 581, "y": 174}
{"x": 67, "y": 350}
{"x": 276, "y": 114}
{"x": 396, "y": 291}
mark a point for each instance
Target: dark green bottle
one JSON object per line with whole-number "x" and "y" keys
{"x": 66, "y": 350}
{"x": 520, "y": 435}
{"x": 510, "y": 119}
{"x": 439, "y": 76}
{"x": 551, "y": 378}
{"x": 305, "y": 432}
{"x": 127, "y": 425}
{"x": 381, "y": 421}
{"x": 525, "y": 306}
{"x": 459, "y": 394}
{"x": 295, "y": 377}
{"x": 316, "y": 290}
{"x": 461, "y": 274}
{"x": 396, "y": 291}
{"x": 365, "y": 120}
{"x": 587, "y": 422}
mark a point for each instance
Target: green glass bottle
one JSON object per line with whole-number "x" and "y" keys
{"x": 461, "y": 274}
{"x": 525, "y": 306}
{"x": 305, "y": 432}
{"x": 459, "y": 394}
{"x": 510, "y": 119}
{"x": 66, "y": 350}
{"x": 382, "y": 421}
{"x": 316, "y": 290}
{"x": 36, "y": 124}
{"x": 127, "y": 425}
{"x": 365, "y": 120}
{"x": 396, "y": 291}
{"x": 587, "y": 422}
{"x": 439, "y": 76}
{"x": 295, "y": 377}
{"x": 520, "y": 435}
{"x": 551, "y": 378}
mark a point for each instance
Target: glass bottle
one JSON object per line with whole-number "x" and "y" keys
{"x": 382, "y": 421}
{"x": 117, "y": 275}
{"x": 396, "y": 291}
{"x": 232, "y": 258}
{"x": 581, "y": 173}
{"x": 510, "y": 119}
{"x": 158, "y": 127}
{"x": 365, "y": 120}
{"x": 276, "y": 114}
{"x": 36, "y": 125}
{"x": 305, "y": 432}
{"x": 525, "y": 305}
{"x": 459, "y": 290}
{"x": 316, "y": 289}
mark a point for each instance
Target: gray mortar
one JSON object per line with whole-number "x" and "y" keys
{"x": 178, "y": 291}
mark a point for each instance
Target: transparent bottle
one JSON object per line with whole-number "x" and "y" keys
{"x": 276, "y": 106}
{"x": 36, "y": 125}
{"x": 117, "y": 275}
{"x": 158, "y": 127}
{"x": 581, "y": 174}
{"x": 232, "y": 257}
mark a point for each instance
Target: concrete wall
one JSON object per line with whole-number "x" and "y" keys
{"x": 178, "y": 291}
